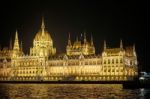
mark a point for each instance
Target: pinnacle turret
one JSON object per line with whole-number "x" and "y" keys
{"x": 121, "y": 44}
{"x": 69, "y": 40}
{"x": 16, "y": 42}
{"x": 105, "y": 45}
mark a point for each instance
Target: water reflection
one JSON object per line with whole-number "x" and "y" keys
{"x": 68, "y": 91}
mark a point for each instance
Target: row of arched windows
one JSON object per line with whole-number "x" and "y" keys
{"x": 113, "y": 61}
{"x": 28, "y": 72}
{"x": 75, "y": 63}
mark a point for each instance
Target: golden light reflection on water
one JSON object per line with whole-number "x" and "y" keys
{"x": 65, "y": 91}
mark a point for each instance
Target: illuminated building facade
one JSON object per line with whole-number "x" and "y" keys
{"x": 80, "y": 63}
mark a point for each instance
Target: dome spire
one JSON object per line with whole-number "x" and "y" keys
{"x": 43, "y": 25}
{"x": 92, "y": 40}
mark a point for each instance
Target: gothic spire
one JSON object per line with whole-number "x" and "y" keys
{"x": 69, "y": 40}
{"x": 16, "y": 42}
{"x": 121, "y": 44}
{"x": 105, "y": 45}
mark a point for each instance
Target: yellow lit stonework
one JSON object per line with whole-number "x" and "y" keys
{"x": 80, "y": 63}
{"x": 77, "y": 48}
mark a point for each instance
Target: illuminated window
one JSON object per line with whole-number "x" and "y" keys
{"x": 108, "y": 61}
{"x": 113, "y": 61}
{"x": 121, "y": 60}
{"x": 86, "y": 63}
{"x": 104, "y": 61}
{"x": 116, "y": 60}
{"x": 130, "y": 62}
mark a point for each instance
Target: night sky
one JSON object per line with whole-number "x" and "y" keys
{"x": 105, "y": 20}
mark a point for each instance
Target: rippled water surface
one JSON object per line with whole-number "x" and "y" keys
{"x": 70, "y": 91}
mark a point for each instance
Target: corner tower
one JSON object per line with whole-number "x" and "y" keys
{"x": 16, "y": 47}
{"x": 42, "y": 43}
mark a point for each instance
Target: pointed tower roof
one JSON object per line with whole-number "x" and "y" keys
{"x": 16, "y": 42}
{"x": 105, "y": 44}
{"x": 121, "y": 44}
{"x": 16, "y": 36}
{"x": 92, "y": 40}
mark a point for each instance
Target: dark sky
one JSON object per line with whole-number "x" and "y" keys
{"x": 107, "y": 20}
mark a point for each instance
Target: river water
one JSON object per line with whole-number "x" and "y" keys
{"x": 71, "y": 91}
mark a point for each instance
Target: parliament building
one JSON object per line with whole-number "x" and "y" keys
{"x": 79, "y": 63}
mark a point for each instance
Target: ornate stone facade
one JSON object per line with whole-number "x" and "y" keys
{"x": 80, "y": 63}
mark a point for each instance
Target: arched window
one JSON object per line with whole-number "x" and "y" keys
{"x": 112, "y": 61}
{"x": 130, "y": 62}
{"x": 104, "y": 61}
{"x": 121, "y": 60}
{"x": 108, "y": 61}
{"x": 116, "y": 60}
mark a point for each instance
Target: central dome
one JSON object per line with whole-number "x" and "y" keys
{"x": 43, "y": 36}
{"x": 42, "y": 43}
